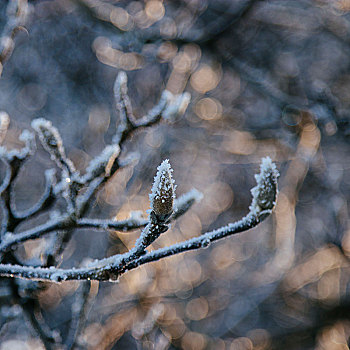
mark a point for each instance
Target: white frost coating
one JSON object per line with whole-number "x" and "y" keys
{"x": 55, "y": 215}
{"x": 98, "y": 164}
{"x": 264, "y": 196}
{"x": 176, "y": 105}
{"x": 120, "y": 85}
{"x": 29, "y": 139}
{"x": 264, "y": 193}
{"x": 122, "y": 79}
{"x": 3, "y": 151}
{"x": 163, "y": 189}
{"x": 49, "y": 137}
{"x": 40, "y": 122}
{"x": 136, "y": 216}
{"x": 41, "y": 125}
{"x": 57, "y": 277}
{"x": 162, "y": 179}
{"x": 49, "y": 174}
{"x": 185, "y": 199}
{"x": 26, "y": 136}
{"x": 190, "y": 195}
{"x": 165, "y": 98}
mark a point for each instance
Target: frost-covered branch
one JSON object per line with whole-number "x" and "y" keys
{"x": 263, "y": 202}
{"x": 11, "y": 239}
{"x": 122, "y": 101}
{"x": 185, "y": 202}
{"x": 107, "y": 163}
{"x": 168, "y": 107}
{"x": 101, "y": 164}
{"x": 13, "y": 160}
{"x": 67, "y": 222}
{"x": 135, "y": 221}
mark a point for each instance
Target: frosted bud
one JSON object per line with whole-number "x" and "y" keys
{"x": 265, "y": 192}
{"x": 49, "y": 137}
{"x": 163, "y": 192}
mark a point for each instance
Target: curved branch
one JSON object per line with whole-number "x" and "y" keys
{"x": 46, "y": 199}
{"x": 17, "y": 14}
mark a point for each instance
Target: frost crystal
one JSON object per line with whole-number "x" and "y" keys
{"x": 264, "y": 193}
{"x": 163, "y": 191}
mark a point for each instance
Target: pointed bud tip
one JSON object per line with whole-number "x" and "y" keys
{"x": 163, "y": 191}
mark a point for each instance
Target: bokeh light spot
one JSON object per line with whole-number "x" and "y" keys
{"x": 208, "y": 109}
{"x": 205, "y": 79}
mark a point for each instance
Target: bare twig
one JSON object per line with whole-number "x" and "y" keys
{"x": 33, "y": 313}
{"x": 80, "y": 309}
{"x": 11, "y": 239}
{"x": 44, "y": 202}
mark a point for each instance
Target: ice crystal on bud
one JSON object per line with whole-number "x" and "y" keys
{"x": 163, "y": 191}
{"x": 265, "y": 192}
